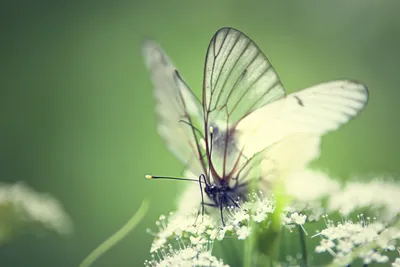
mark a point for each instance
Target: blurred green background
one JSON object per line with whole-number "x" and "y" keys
{"x": 77, "y": 114}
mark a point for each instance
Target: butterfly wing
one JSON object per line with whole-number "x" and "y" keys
{"x": 316, "y": 111}
{"x": 238, "y": 79}
{"x": 291, "y": 153}
{"x": 180, "y": 116}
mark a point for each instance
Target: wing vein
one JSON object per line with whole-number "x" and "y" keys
{"x": 230, "y": 72}
{"x": 251, "y": 62}
{"x": 249, "y": 87}
{"x": 222, "y": 67}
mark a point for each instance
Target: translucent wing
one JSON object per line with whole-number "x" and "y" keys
{"x": 238, "y": 79}
{"x": 316, "y": 110}
{"x": 180, "y": 117}
{"x": 291, "y": 153}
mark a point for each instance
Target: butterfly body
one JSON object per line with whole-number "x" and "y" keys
{"x": 244, "y": 121}
{"x": 223, "y": 195}
{"x": 219, "y": 194}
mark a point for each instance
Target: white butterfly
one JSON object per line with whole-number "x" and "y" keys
{"x": 244, "y": 115}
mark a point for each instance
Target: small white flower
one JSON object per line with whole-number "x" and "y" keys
{"x": 298, "y": 219}
{"x": 261, "y": 209}
{"x": 345, "y": 246}
{"x": 240, "y": 215}
{"x": 325, "y": 245}
{"x": 291, "y": 218}
{"x": 213, "y": 233}
{"x": 243, "y": 232}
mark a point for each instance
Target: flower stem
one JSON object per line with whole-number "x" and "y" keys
{"x": 303, "y": 247}
{"x": 250, "y": 253}
{"x": 115, "y": 238}
{"x": 284, "y": 251}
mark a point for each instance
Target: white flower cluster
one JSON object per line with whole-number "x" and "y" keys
{"x": 366, "y": 239}
{"x": 200, "y": 230}
{"x": 310, "y": 194}
{"x": 25, "y": 205}
{"x": 194, "y": 255}
{"x": 291, "y": 218}
{"x": 182, "y": 225}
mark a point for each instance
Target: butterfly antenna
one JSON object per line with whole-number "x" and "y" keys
{"x": 171, "y": 178}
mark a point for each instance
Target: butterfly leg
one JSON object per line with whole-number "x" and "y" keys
{"x": 202, "y": 200}
{"x": 201, "y": 191}
{"x": 197, "y": 215}
{"x": 202, "y": 179}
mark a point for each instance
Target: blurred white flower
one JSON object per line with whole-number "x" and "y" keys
{"x": 24, "y": 206}
{"x": 377, "y": 194}
{"x": 309, "y": 188}
{"x": 309, "y": 185}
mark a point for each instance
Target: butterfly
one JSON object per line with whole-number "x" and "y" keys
{"x": 244, "y": 116}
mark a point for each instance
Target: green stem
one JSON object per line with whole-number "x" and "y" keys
{"x": 284, "y": 251}
{"x": 248, "y": 246}
{"x": 303, "y": 247}
{"x": 250, "y": 252}
{"x": 115, "y": 238}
